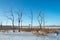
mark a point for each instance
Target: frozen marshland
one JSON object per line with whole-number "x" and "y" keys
{"x": 27, "y": 36}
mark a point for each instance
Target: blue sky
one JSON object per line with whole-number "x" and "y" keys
{"x": 50, "y": 8}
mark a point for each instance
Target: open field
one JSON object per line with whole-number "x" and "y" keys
{"x": 27, "y": 29}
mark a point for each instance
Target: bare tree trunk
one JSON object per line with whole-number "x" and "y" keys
{"x": 31, "y": 19}
{"x": 12, "y": 20}
{"x": 40, "y": 19}
{"x": 19, "y": 26}
{"x": 19, "y": 20}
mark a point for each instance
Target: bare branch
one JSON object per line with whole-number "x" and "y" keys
{"x": 9, "y": 18}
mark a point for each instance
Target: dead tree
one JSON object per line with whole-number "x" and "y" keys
{"x": 31, "y": 18}
{"x": 40, "y": 19}
{"x": 12, "y": 19}
{"x": 19, "y": 19}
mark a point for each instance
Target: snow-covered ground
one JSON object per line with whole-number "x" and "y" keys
{"x": 26, "y": 36}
